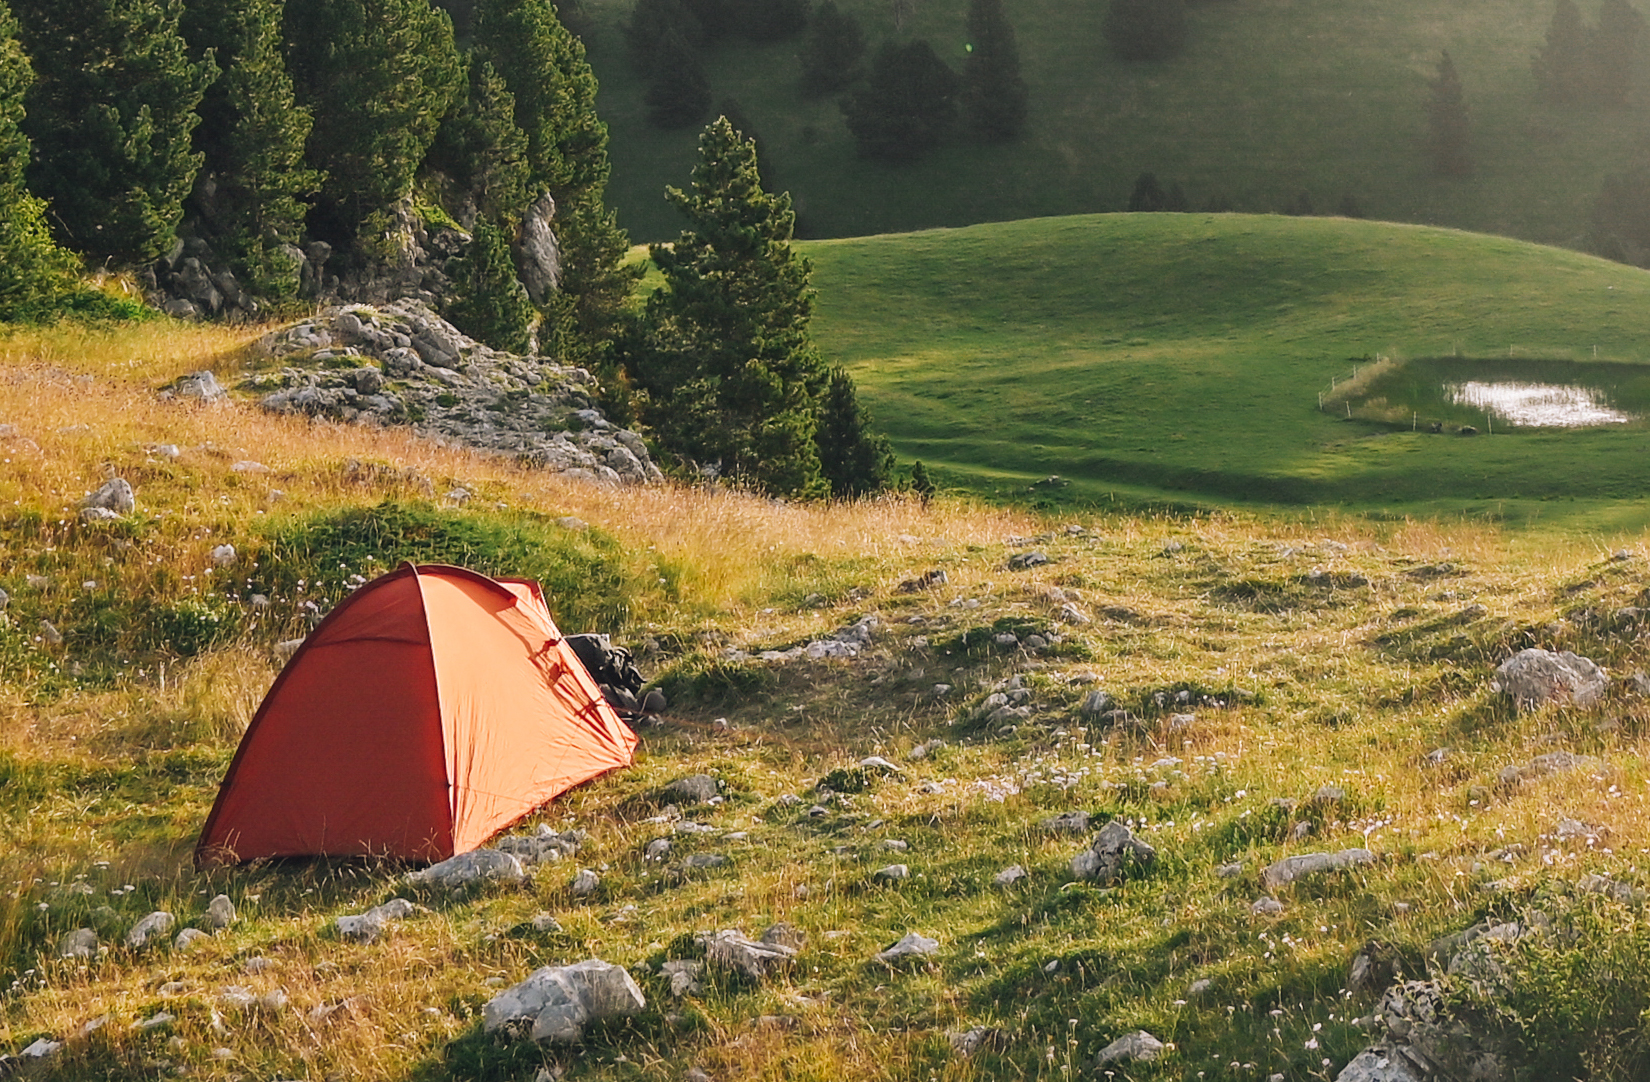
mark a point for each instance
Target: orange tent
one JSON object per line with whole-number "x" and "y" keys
{"x": 430, "y": 710}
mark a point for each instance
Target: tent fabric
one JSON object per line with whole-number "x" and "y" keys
{"x": 431, "y": 709}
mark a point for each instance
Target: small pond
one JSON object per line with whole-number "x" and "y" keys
{"x": 1499, "y": 394}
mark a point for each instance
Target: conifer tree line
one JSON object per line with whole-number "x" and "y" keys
{"x": 257, "y": 125}
{"x": 1590, "y": 65}
{"x": 899, "y": 103}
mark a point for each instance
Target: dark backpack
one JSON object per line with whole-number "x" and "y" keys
{"x": 612, "y": 667}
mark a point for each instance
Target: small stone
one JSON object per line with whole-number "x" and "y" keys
{"x": 970, "y": 1041}
{"x": 188, "y": 938}
{"x": 42, "y": 1048}
{"x": 893, "y": 873}
{"x": 1009, "y": 875}
{"x": 145, "y": 932}
{"x": 1290, "y": 869}
{"x": 220, "y": 913}
{"x": 913, "y": 944}
{"x": 1230, "y": 871}
{"x": 114, "y": 495}
{"x": 80, "y": 943}
{"x": 1139, "y": 1045}
{"x": 585, "y": 883}
{"x": 682, "y": 977}
{"x": 1067, "y": 822}
{"x": 366, "y": 927}
{"x": 1025, "y": 560}
{"x": 1266, "y": 906}
{"x": 731, "y": 949}
{"x": 693, "y": 789}
{"x": 469, "y": 869}
{"x": 154, "y": 1021}
{"x": 896, "y": 845}
{"x": 784, "y": 934}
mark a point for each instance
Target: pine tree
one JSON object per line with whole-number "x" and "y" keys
{"x": 111, "y": 117}
{"x": 555, "y": 94}
{"x": 1614, "y": 52}
{"x": 679, "y": 91}
{"x": 854, "y": 460}
{"x": 729, "y": 372}
{"x": 653, "y": 21}
{"x": 1148, "y": 195}
{"x": 481, "y": 147}
{"x": 378, "y": 75}
{"x": 994, "y": 96}
{"x": 1146, "y": 29}
{"x": 908, "y": 106}
{"x": 1448, "y": 130}
{"x": 34, "y": 272}
{"x": 252, "y": 141}
{"x": 834, "y": 56}
{"x": 491, "y": 305}
{"x": 921, "y": 483}
{"x": 1561, "y": 65}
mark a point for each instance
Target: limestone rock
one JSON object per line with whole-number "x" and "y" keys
{"x": 1138, "y": 1045}
{"x": 1289, "y": 869}
{"x": 730, "y": 949}
{"x": 555, "y": 1003}
{"x": 541, "y": 848}
{"x": 469, "y": 869}
{"x": 966, "y": 1043}
{"x": 220, "y": 913}
{"x": 149, "y": 930}
{"x": 693, "y": 789}
{"x": 188, "y": 938}
{"x": 585, "y": 883}
{"x": 114, "y": 495}
{"x": 893, "y": 873}
{"x": 200, "y": 386}
{"x": 787, "y": 935}
{"x": 911, "y": 945}
{"x": 1009, "y": 875}
{"x": 368, "y": 926}
{"x": 80, "y": 943}
{"x": 682, "y": 977}
{"x": 1534, "y": 678}
{"x": 1068, "y": 822}
{"x": 538, "y": 251}
{"x": 1112, "y": 853}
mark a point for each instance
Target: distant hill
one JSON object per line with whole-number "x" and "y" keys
{"x": 1272, "y": 99}
{"x": 1180, "y": 357}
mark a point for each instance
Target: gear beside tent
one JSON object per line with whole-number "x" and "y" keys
{"x": 431, "y": 709}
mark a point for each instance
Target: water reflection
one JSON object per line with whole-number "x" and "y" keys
{"x": 1538, "y": 405}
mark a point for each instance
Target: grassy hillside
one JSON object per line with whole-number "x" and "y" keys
{"x": 1181, "y": 356}
{"x": 1337, "y": 653}
{"x": 1273, "y": 98}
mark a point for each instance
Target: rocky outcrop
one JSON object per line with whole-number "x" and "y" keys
{"x": 1534, "y": 678}
{"x": 401, "y": 364}
{"x": 555, "y": 1004}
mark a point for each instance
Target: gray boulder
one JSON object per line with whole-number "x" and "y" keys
{"x": 469, "y": 869}
{"x": 188, "y": 938}
{"x": 80, "y": 943}
{"x": 555, "y": 1003}
{"x": 693, "y": 789}
{"x": 1114, "y": 850}
{"x": 539, "y": 252}
{"x": 200, "y": 386}
{"x": 220, "y": 913}
{"x": 1424, "y": 1041}
{"x": 682, "y": 977}
{"x": 1289, "y": 869}
{"x": 1533, "y": 678}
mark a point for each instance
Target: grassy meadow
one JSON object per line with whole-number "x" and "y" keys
{"x": 1314, "y": 650}
{"x": 1272, "y": 99}
{"x": 1179, "y": 358}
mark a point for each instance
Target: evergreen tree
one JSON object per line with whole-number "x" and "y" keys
{"x": 834, "y": 55}
{"x": 555, "y": 104}
{"x": 651, "y": 23}
{"x": 1448, "y": 129}
{"x": 729, "y": 373}
{"x": 111, "y": 117}
{"x": 1148, "y": 195}
{"x": 1561, "y": 65}
{"x": 378, "y": 75}
{"x": 1614, "y": 52}
{"x": 254, "y": 181}
{"x": 491, "y": 305}
{"x": 921, "y": 483}
{"x": 854, "y": 460}
{"x": 767, "y": 21}
{"x": 1146, "y": 29}
{"x": 994, "y": 96}
{"x": 481, "y": 148}
{"x": 34, "y": 272}
{"x": 679, "y": 91}
{"x": 908, "y": 106}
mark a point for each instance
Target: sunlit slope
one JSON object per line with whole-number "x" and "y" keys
{"x": 1182, "y": 355}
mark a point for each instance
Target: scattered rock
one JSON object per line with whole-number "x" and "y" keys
{"x": 1621, "y": 892}
{"x": 1067, "y": 822}
{"x": 220, "y": 913}
{"x": 1534, "y": 678}
{"x": 544, "y": 847}
{"x": 188, "y": 938}
{"x": 731, "y": 949}
{"x": 154, "y": 1021}
{"x": 693, "y": 789}
{"x": 585, "y": 883}
{"x": 1009, "y": 875}
{"x": 893, "y": 873}
{"x": 43, "y": 1048}
{"x": 1289, "y": 869}
{"x": 150, "y": 929}
{"x": 1230, "y": 871}
{"x": 967, "y": 1042}
{"x": 682, "y": 977}
{"x": 1266, "y": 906}
{"x": 1553, "y": 762}
{"x": 468, "y": 869}
{"x": 555, "y": 1003}
{"x": 1112, "y": 853}
{"x": 200, "y": 386}
{"x": 1138, "y": 1045}
{"x": 367, "y": 927}
{"x": 1022, "y": 561}
{"x": 926, "y": 581}
{"x": 114, "y": 495}
{"x": 80, "y": 943}
{"x": 912, "y": 945}
{"x": 787, "y": 935}
{"x": 927, "y": 748}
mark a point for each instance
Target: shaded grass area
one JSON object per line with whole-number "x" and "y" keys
{"x": 1273, "y": 99}
{"x": 1178, "y": 358}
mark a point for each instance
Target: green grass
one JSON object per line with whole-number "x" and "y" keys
{"x": 1178, "y": 358}
{"x": 1273, "y": 98}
